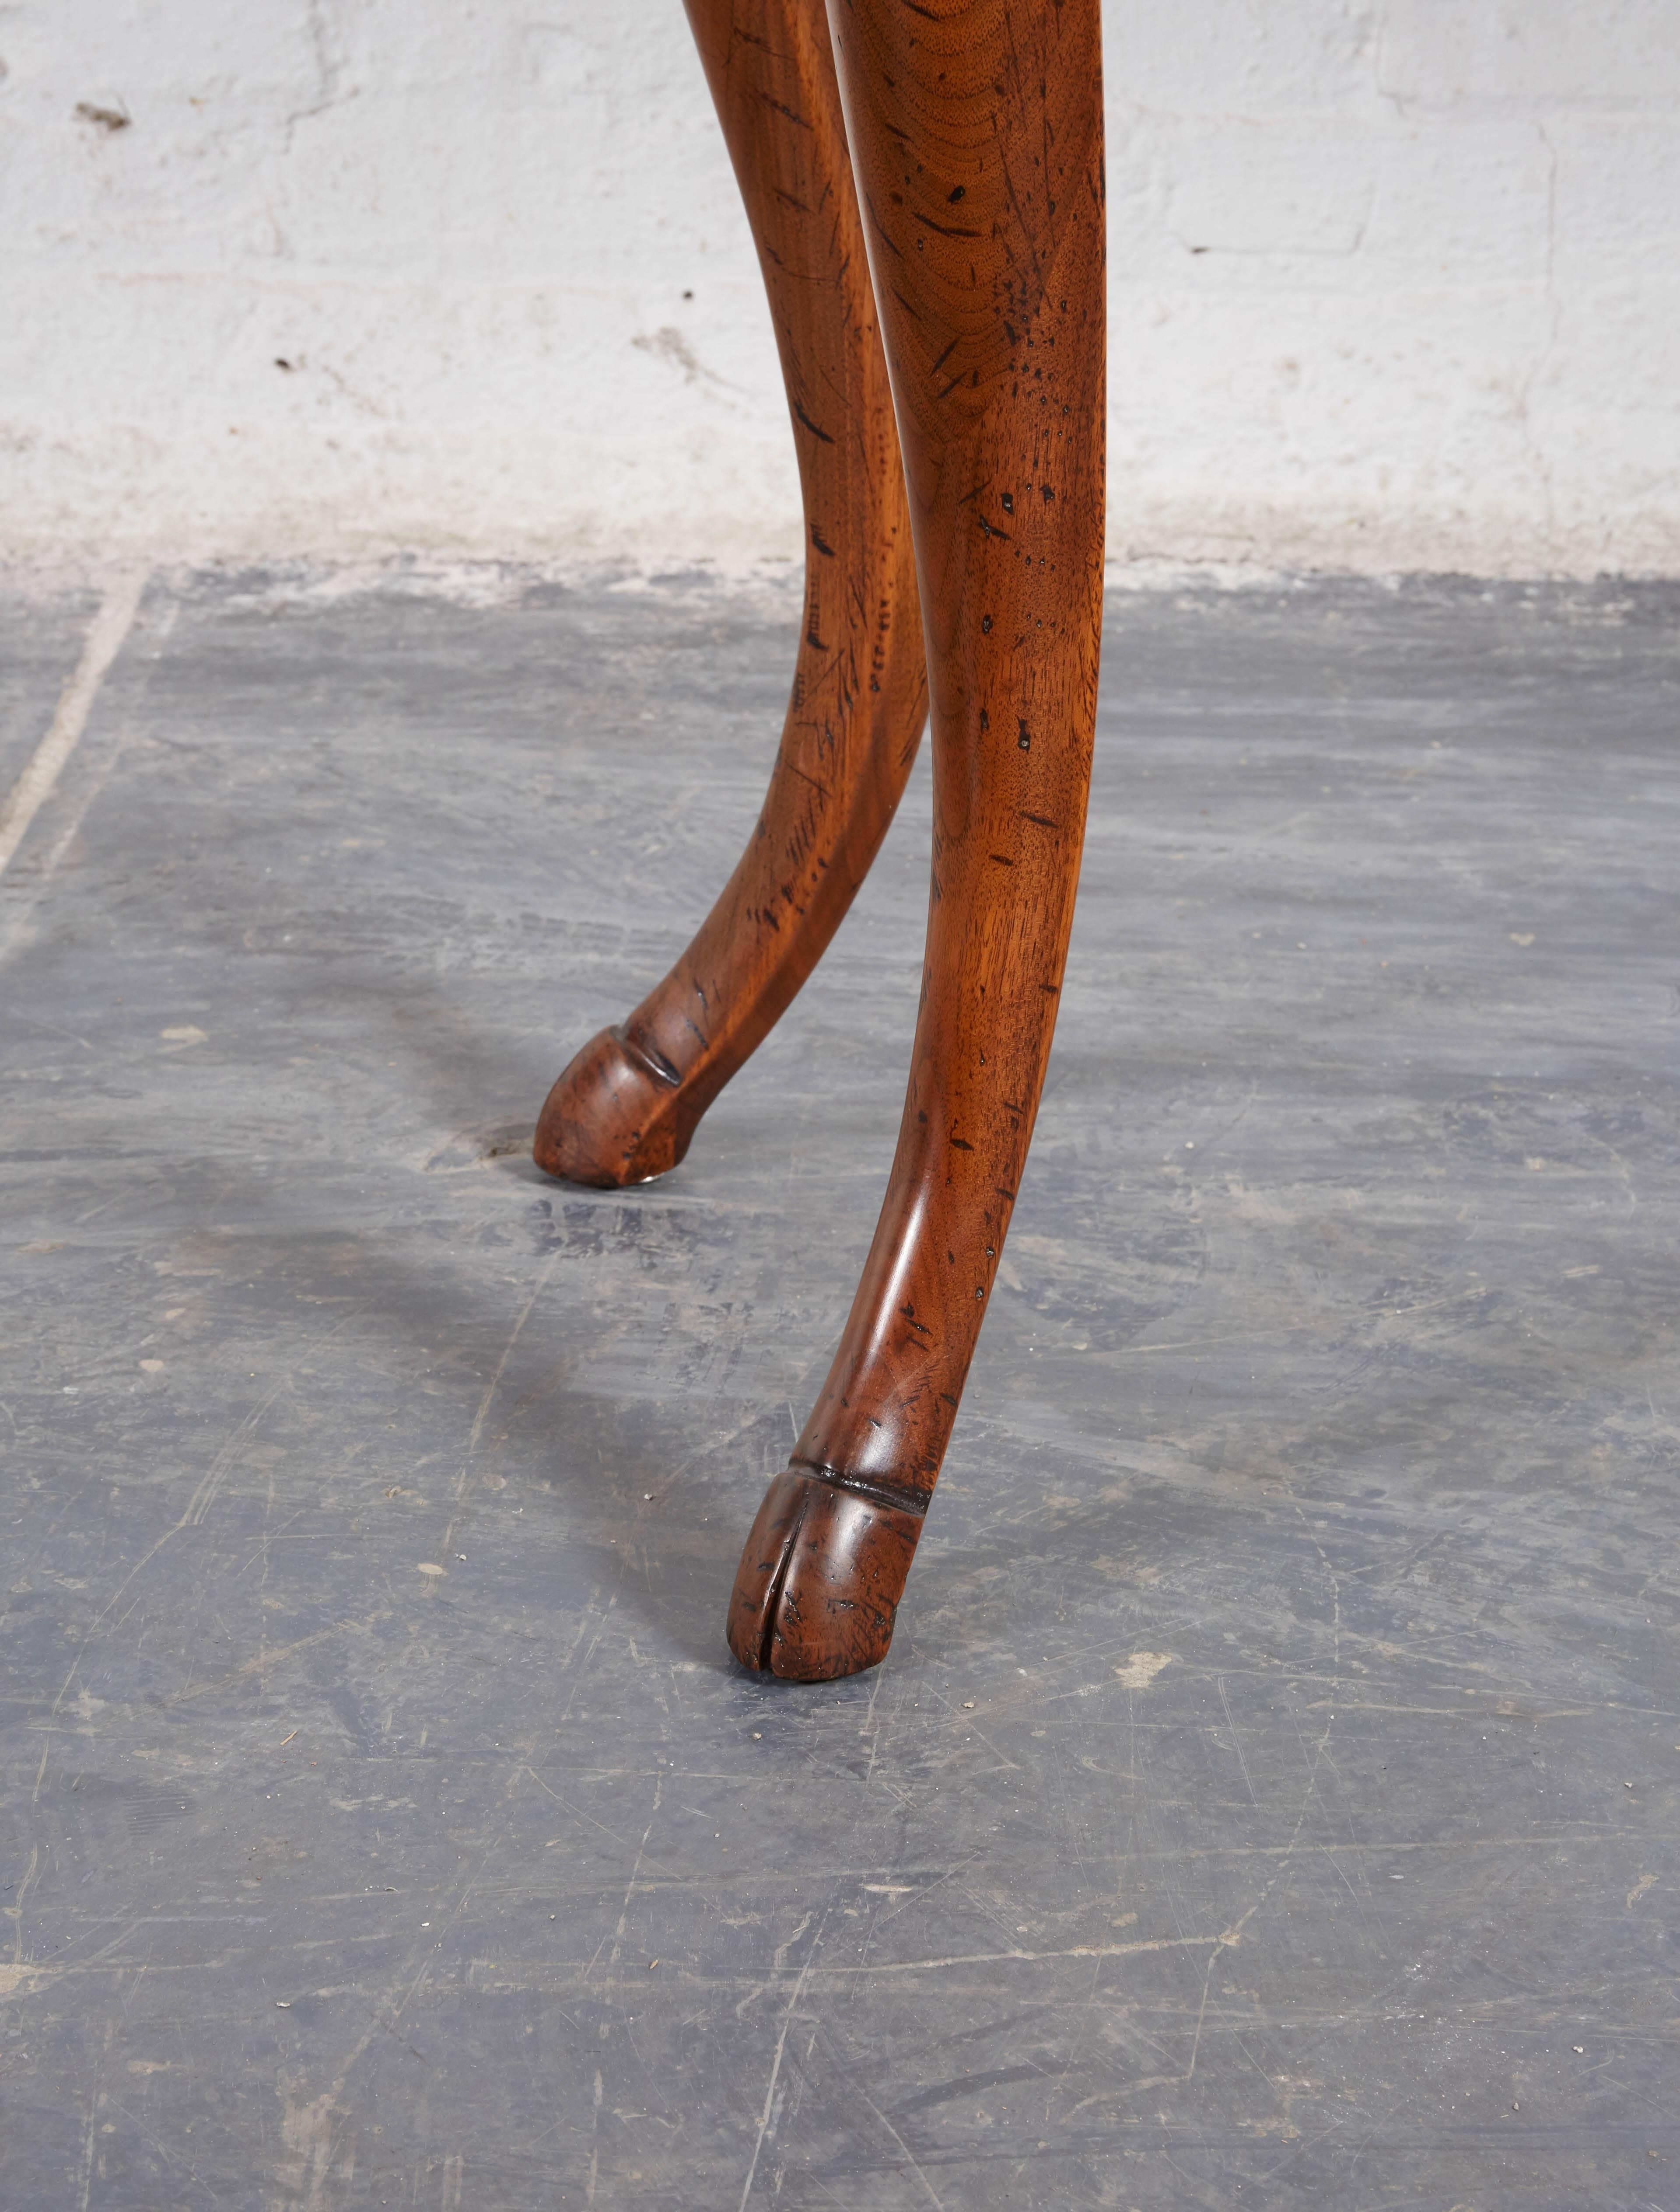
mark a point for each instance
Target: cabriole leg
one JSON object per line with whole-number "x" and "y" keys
{"x": 976, "y": 137}
{"x": 626, "y": 1107}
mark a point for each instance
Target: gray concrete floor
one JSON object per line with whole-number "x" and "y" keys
{"x": 1271, "y": 1798}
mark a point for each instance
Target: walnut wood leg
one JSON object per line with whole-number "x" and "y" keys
{"x": 626, "y": 1107}
{"x": 976, "y": 136}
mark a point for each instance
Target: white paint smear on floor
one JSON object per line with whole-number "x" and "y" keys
{"x": 110, "y": 626}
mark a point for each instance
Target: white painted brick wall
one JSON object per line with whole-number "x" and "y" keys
{"x": 1395, "y": 284}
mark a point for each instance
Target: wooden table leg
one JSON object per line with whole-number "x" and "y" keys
{"x": 976, "y": 137}
{"x": 625, "y": 1108}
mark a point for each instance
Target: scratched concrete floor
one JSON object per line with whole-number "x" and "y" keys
{"x": 1271, "y": 1798}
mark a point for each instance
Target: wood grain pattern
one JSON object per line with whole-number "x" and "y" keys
{"x": 973, "y": 131}
{"x": 976, "y": 138}
{"x": 627, "y": 1107}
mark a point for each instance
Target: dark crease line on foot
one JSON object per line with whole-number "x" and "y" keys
{"x": 777, "y": 1584}
{"x": 655, "y": 1062}
{"x": 899, "y": 1499}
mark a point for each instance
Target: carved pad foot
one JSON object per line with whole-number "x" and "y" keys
{"x": 611, "y": 1120}
{"x": 819, "y": 1581}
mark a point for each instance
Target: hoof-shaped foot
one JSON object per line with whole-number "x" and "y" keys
{"x": 611, "y": 1119}
{"x": 821, "y": 1579}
